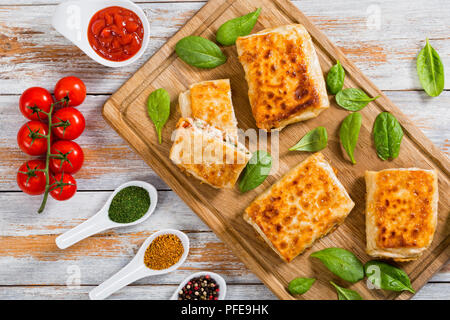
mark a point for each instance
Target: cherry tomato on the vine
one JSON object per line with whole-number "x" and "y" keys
{"x": 35, "y": 98}
{"x": 29, "y": 179}
{"x": 63, "y": 186}
{"x": 72, "y": 89}
{"x": 30, "y": 138}
{"x": 67, "y": 156}
{"x": 68, "y": 123}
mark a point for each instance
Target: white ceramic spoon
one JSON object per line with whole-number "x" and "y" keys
{"x": 71, "y": 19}
{"x": 136, "y": 268}
{"x": 100, "y": 221}
{"x": 220, "y": 281}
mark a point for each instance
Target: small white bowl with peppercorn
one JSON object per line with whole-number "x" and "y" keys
{"x": 203, "y": 285}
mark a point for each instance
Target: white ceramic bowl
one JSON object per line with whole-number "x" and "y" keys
{"x": 71, "y": 19}
{"x": 220, "y": 281}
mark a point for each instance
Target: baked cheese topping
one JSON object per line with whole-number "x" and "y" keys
{"x": 306, "y": 204}
{"x": 211, "y": 102}
{"x": 403, "y": 208}
{"x": 279, "y": 72}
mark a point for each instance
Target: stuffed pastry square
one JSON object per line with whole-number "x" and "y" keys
{"x": 210, "y": 101}
{"x": 401, "y": 212}
{"x": 207, "y": 153}
{"x": 285, "y": 82}
{"x": 303, "y": 206}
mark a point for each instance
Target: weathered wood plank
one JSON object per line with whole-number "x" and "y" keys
{"x": 110, "y": 162}
{"x": 27, "y": 242}
{"x": 28, "y": 45}
{"x": 431, "y": 291}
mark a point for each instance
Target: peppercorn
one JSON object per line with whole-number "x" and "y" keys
{"x": 200, "y": 288}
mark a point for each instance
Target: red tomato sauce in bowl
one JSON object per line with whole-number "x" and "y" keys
{"x": 115, "y": 33}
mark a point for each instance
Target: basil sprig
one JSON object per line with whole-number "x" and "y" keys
{"x": 387, "y": 277}
{"x": 256, "y": 171}
{"x": 342, "y": 263}
{"x": 300, "y": 285}
{"x": 314, "y": 140}
{"x": 237, "y": 27}
{"x": 430, "y": 70}
{"x": 353, "y": 99}
{"x": 200, "y": 52}
{"x": 158, "y": 108}
{"x": 387, "y": 135}
{"x": 335, "y": 78}
{"x": 349, "y": 132}
{"x": 346, "y": 294}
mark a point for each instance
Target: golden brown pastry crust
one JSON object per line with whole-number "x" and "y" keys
{"x": 285, "y": 81}
{"x": 303, "y": 206}
{"x": 210, "y": 101}
{"x": 401, "y": 212}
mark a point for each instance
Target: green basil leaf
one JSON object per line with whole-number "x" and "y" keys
{"x": 335, "y": 78}
{"x": 349, "y": 133}
{"x": 300, "y": 285}
{"x": 314, "y": 140}
{"x": 353, "y": 99}
{"x": 387, "y": 134}
{"x": 346, "y": 294}
{"x": 387, "y": 277}
{"x": 256, "y": 171}
{"x": 430, "y": 70}
{"x": 158, "y": 108}
{"x": 237, "y": 27}
{"x": 342, "y": 263}
{"x": 200, "y": 52}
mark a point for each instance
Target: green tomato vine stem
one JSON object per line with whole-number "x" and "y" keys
{"x": 48, "y": 136}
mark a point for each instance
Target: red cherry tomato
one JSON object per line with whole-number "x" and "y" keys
{"x": 68, "y": 123}
{"x": 32, "y": 99}
{"x": 63, "y": 186}
{"x": 29, "y": 138}
{"x": 72, "y": 89}
{"x": 69, "y": 157}
{"x": 29, "y": 180}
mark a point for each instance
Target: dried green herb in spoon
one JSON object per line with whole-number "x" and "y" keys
{"x": 129, "y": 204}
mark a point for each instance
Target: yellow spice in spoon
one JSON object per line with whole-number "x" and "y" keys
{"x": 164, "y": 251}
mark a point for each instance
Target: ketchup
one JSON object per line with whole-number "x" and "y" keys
{"x": 115, "y": 33}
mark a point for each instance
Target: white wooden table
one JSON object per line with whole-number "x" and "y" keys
{"x": 33, "y": 54}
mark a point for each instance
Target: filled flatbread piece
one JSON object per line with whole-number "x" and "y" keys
{"x": 207, "y": 153}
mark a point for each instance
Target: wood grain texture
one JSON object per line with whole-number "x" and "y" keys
{"x": 108, "y": 161}
{"x": 125, "y": 111}
{"x": 29, "y": 45}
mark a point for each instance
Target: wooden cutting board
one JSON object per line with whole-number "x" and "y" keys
{"x": 222, "y": 210}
